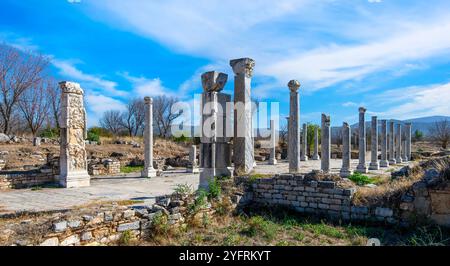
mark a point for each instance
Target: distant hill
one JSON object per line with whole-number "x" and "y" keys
{"x": 422, "y": 123}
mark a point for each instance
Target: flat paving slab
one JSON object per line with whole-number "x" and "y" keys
{"x": 133, "y": 187}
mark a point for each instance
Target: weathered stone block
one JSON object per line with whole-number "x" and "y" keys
{"x": 326, "y": 184}
{"x": 60, "y": 226}
{"x": 383, "y": 212}
{"x": 86, "y": 236}
{"x": 51, "y": 242}
{"x": 359, "y": 210}
{"x": 128, "y": 226}
{"x": 71, "y": 241}
{"x": 75, "y": 223}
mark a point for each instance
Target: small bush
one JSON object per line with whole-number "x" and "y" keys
{"x": 214, "y": 188}
{"x": 183, "y": 189}
{"x": 259, "y": 225}
{"x": 125, "y": 238}
{"x": 49, "y": 132}
{"x": 131, "y": 169}
{"x": 91, "y": 136}
{"x": 199, "y": 202}
{"x": 360, "y": 179}
{"x": 160, "y": 224}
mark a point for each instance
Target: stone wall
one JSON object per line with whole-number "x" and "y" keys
{"x": 106, "y": 224}
{"x": 328, "y": 199}
{"x": 315, "y": 197}
{"x": 105, "y": 167}
{"x": 26, "y": 179}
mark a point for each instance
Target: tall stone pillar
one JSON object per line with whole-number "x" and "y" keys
{"x": 273, "y": 143}
{"x": 384, "y": 161}
{"x": 404, "y": 158}
{"x": 148, "y": 170}
{"x": 72, "y": 162}
{"x": 243, "y": 130}
{"x": 398, "y": 144}
{"x": 374, "y": 165}
{"x": 316, "y": 144}
{"x": 215, "y": 140}
{"x": 304, "y": 146}
{"x": 193, "y": 165}
{"x": 408, "y": 141}
{"x": 362, "y": 167}
{"x": 391, "y": 143}
{"x": 346, "y": 151}
{"x": 325, "y": 143}
{"x": 294, "y": 132}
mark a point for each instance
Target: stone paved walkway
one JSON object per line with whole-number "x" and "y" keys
{"x": 131, "y": 187}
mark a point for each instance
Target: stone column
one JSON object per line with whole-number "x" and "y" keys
{"x": 398, "y": 144}
{"x": 148, "y": 170}
{"x": 243, "y": 132}
{"x": 362, "y": 167}
{"x": 294, "y": 132}
{"x": 215, "y": 146}
{"x": 273, "y": 143}
{"x": 73, "y": 162}
{"x": 384, "y": 162}
{"x": 36, "y": 141}
{"x": 193, "y": 166}
{"x": 304, "y": 146}
{"x": 374, "y": 165}
{"x": 316, "y": 144}
{"x": 391, "y": 143}
{"x": 325, "y": 143}
{"x": 346, "y": 151}
{"x": 408, "y": 141}
{"x": 404, "y": 158}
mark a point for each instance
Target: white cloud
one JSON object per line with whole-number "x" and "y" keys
{"x": 97, "y": 104}
{"x": 417, "y": 101}
{"x": 374, "y": 1}
{"x": 308, "y": 40}
{"x": 69, "y": 70}
{"x": 143, "y": 86}
{"x": 349, "y": 104}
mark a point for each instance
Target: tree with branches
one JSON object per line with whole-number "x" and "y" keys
{"x": 163, "y": 114}
{"x": 133, "y": 118}
{"x": 19, "y": 71}
{"x": 112, "y": 121}
{"x": 440, "y": 133}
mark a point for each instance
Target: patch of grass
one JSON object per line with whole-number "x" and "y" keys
{"x": 129, "y": 202}
{"x": 323, "y": 229}
{"x": 232, "y": 239}
{"x": 259, "y": 225}
{"x": 427, "y": 236}
{"x": 199, "y": 202}
{"x": 35, "y": 188}
{"x": 253, "y": 177}
{"x": 214, "y": 188}
{"x": 183, "y": 189}
{"x": 131, "y": 169}
{"x": 299, "y": 236}
{"x": 125, "y": 238}
{"x": 360, "y": 179}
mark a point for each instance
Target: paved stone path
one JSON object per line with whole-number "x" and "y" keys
{"x": 132, "y": 187}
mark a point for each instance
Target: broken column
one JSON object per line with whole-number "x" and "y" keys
{"x": 384, "y": 161}
{"x": 346, "y": 151}
{"x": 273, "y": 143}
{"x": 398, "y": 144}
{"x": 325, "y": 143}
{"x": 73, "y": 162}
{"x": 304, "y": 146}
{"x": 193, "y": 166}
{"x": 316, "y": 144}
{"x": 294, "y": 132}
{"x": 243, "y": 149}
{"x": 408, "y": 140}
{"x": 36, "y": 141}
{"x": 391, "y": 143}
{"x": 374, "y": 165}
{"x": 362, "y": 167}
{"x": 148, "y": 170}
{"x": 215, "y": 140}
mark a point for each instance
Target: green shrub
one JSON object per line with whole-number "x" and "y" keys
{"x": 91, "y": 136}
{"x": 125, "y": 238}
{"x": 360, "y": 179}
{"x": 99, "y": 131}
{"x": 199, "y": 202}
{"x": 214, "y": 188}
{"x": 131, "y": 169}
{"x": 258, "y": 225}
{"x": 183, "y": 189}
{"x": 49, "y": 132}
{"x": 181, "y": 138}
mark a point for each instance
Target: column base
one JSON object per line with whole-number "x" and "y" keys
{"x": 384, "y": 163}
{"x": 345, "y": 172}
{"x": 150, "y": 172}
{"x": 193, "y": 170}
{"x": 374, "y": 166}
{"x": 207, "y": 173}
{"x": 316, "y": 157}
{"x": 304, "y": 158}
{"x": 361, "y": 169}
{"x": 75, "y": 179}
{"x": 404, "y": 159}
{"x": 398, "y": 160}
{"x": 392, "y": 161}
{"x": 273, "y": 161}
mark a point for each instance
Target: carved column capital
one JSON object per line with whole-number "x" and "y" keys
{"x": 294, "y": 85}
{"x": 214, "y": 81}
{"x": 243, "y": 66}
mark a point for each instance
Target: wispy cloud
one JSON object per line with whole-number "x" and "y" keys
{"x": 143, "y": 86}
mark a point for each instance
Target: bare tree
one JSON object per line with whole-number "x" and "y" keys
{"x": 112, "y": 121}
{"x": 440, "y": 133}
{"x": 34, "y": 106}
{"x": 18, "y": 72}
{"x": 54, "y": 98}
{"x": 163, "y": 114}
{"x": 133, "y": 118}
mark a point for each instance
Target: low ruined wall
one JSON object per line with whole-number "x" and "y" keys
{"x": 323, "y": 198}
{"x": 11, "y": 180}
{"x": 106, "y": 167}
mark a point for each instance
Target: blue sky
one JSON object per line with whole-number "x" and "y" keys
{"x": 393, "y": 57}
